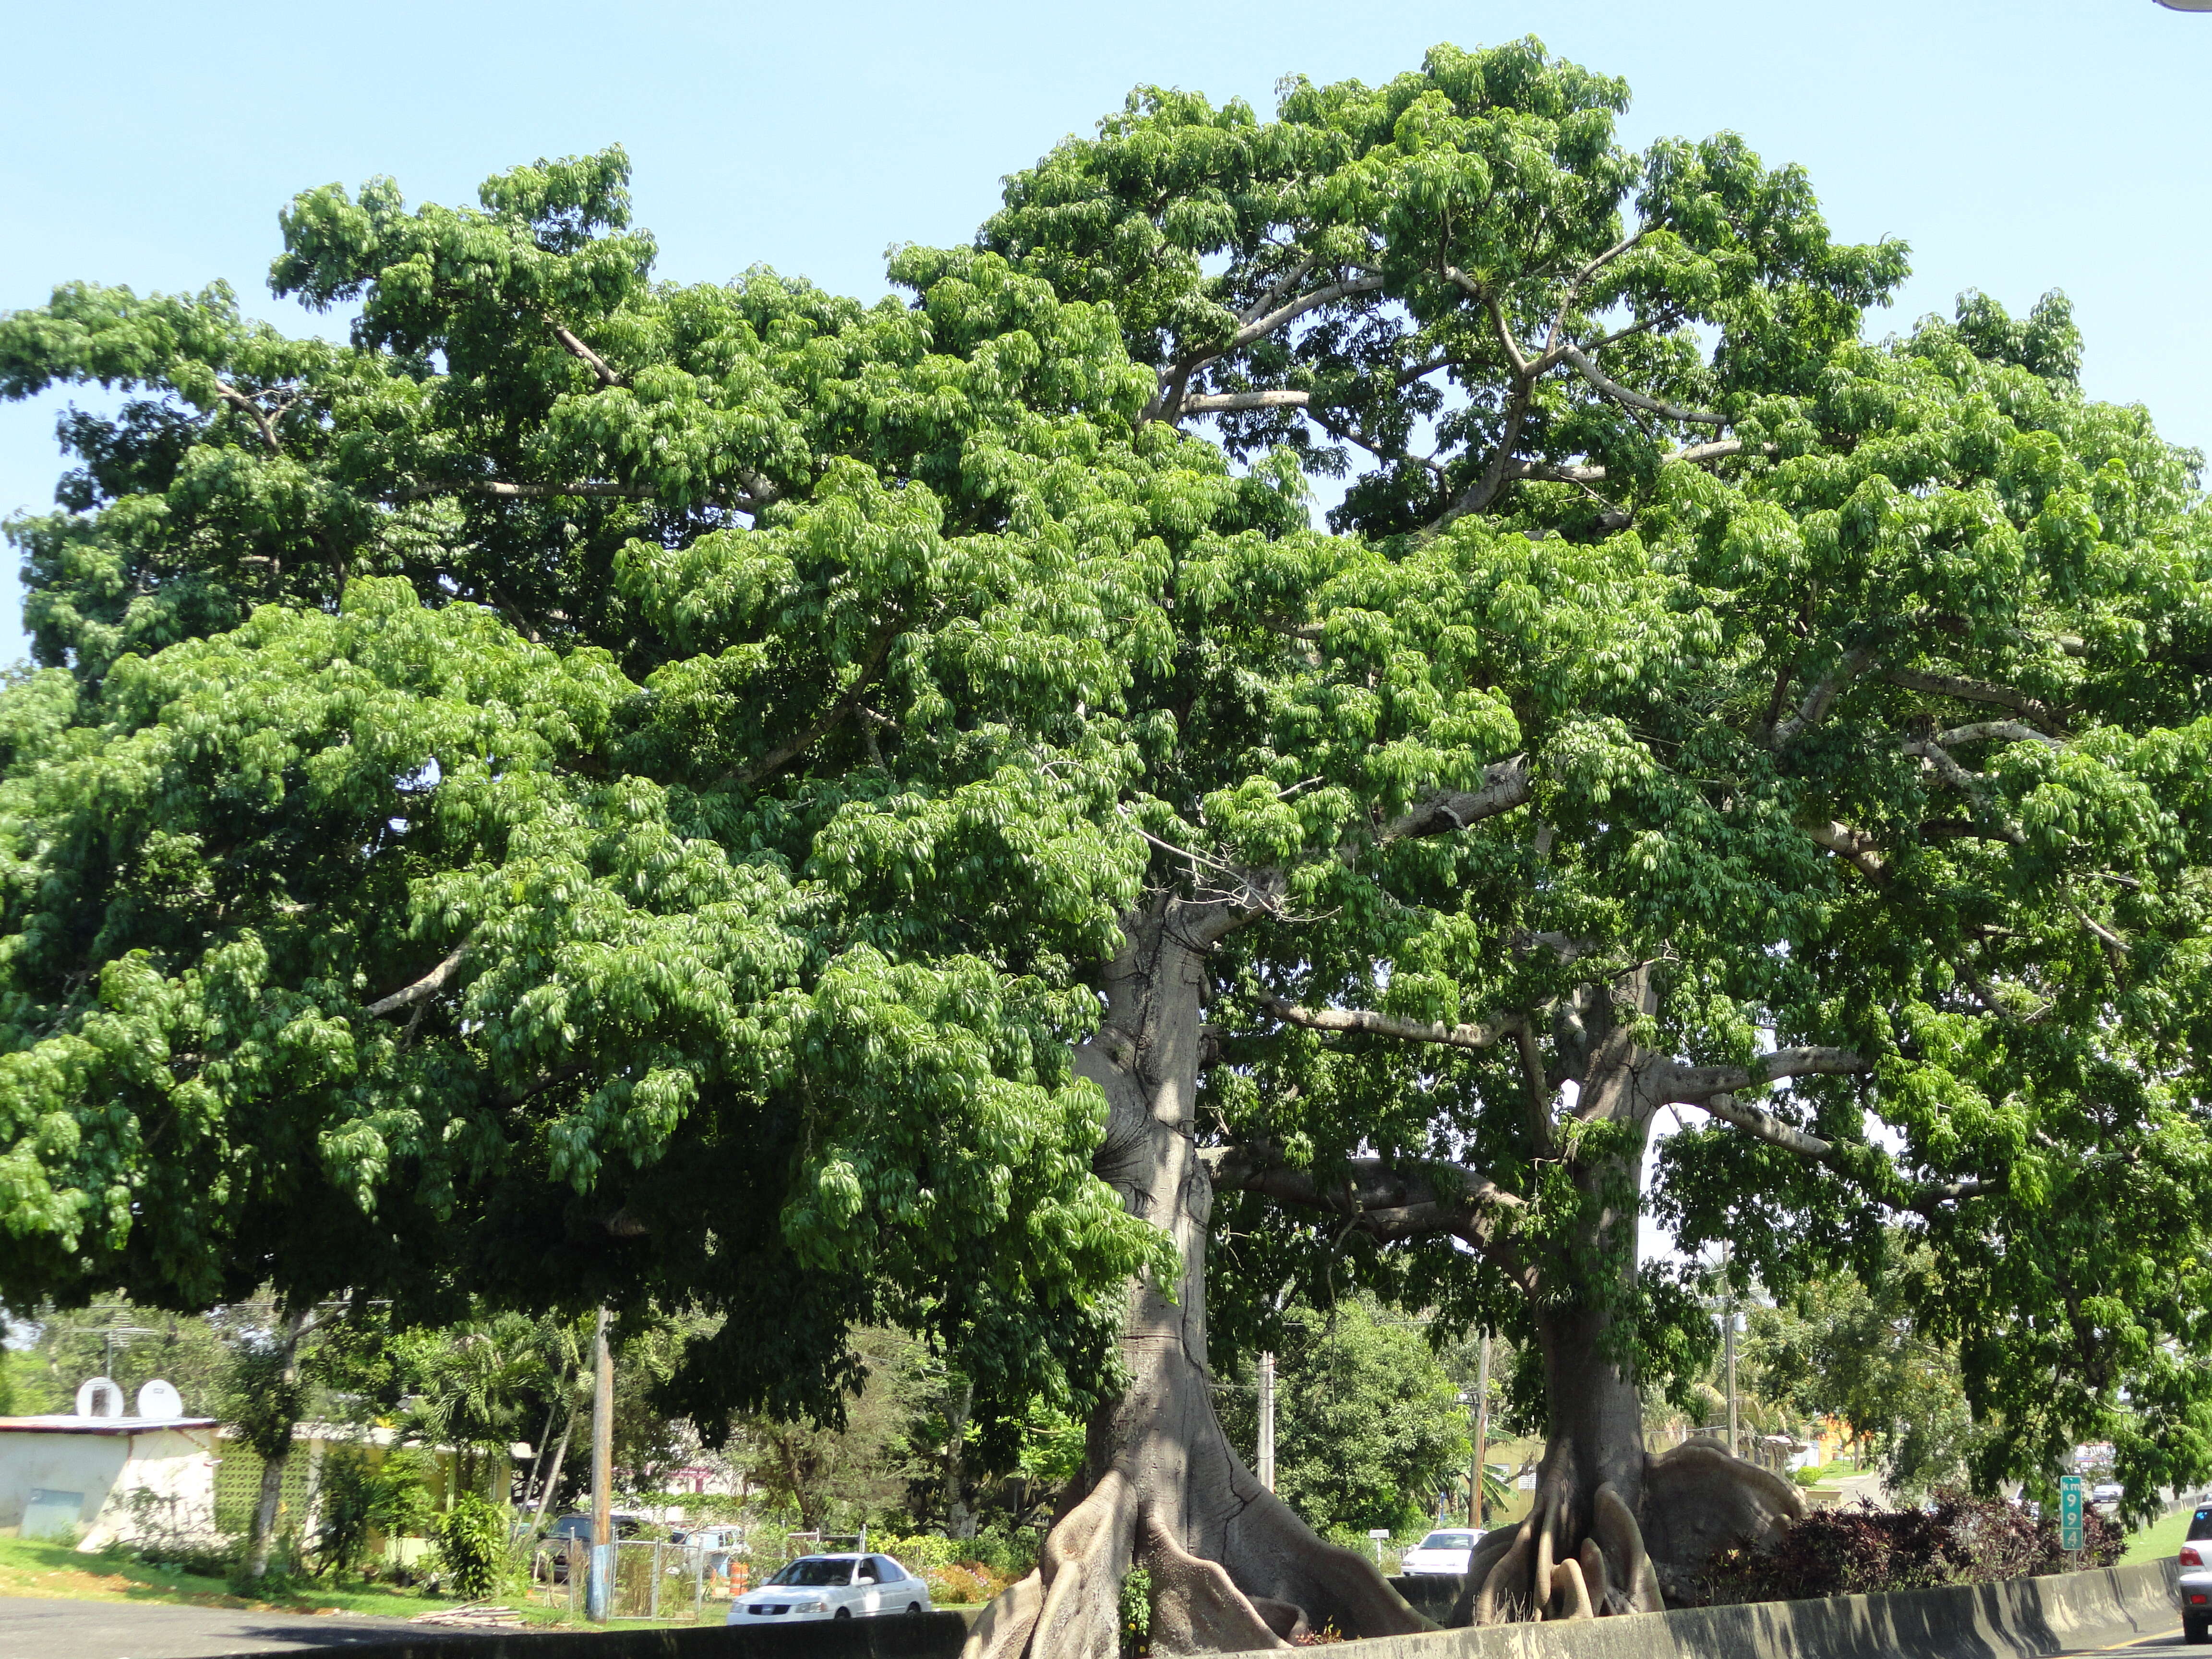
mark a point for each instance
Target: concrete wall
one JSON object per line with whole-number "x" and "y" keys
{"x": 2021, "y": 1619}
{"x": 105, "y": 1468}
{"x": 920, "y": 1635}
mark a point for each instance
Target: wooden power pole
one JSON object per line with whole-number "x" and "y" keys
{"x": 1735, "y": 1446}
{"x": 1268, "y": 1421}
{"x": 1482, "y": 1433}
{"x": 601, "y": 1584}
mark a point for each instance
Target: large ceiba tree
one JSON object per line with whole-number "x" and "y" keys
{"x": 610, "y": 791}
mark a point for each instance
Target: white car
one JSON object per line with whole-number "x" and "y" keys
{"x": 2196, "y": 1585}
{"x": 833, "y": 1587}
{"x": 1443, "y": 1552}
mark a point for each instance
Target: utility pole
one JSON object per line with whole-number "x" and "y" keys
{"x": 1482, "y": 1433}
{"x": 599, "y": 1590}
{"x": 1734, "y": 1448}
{"x": 1268, "y": 1421}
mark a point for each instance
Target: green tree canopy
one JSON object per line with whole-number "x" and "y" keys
{"x": 617, "y": 791}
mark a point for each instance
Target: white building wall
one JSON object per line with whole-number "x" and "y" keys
{"x": 177, "y": 1466}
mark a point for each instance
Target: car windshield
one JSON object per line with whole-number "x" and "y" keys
{"x": 2200, "y": 1526}
{"x": 1447, "y": 1540}
{"x": 815, "y": 1569}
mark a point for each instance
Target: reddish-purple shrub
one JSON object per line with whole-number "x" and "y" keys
{"x": 1957, "y": 1540}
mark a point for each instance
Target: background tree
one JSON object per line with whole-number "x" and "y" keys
{"x": 1842, "y": 1348}
{"x": 842, "y": 1475}
{"x": 1370, "y": 1424}
{"x": 111, "y": 1337}
{"x": 696, "y": 794}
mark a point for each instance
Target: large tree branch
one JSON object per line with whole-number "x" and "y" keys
{"x": 1379, "y": 1024}
{"x": 1955, "y": 685}
{"x": 1984, "y": 731}
{"x": 1602, "y": 381}
{"x": 577, "y": 348}
{"x": 1259, "y": 328}
{"x": 1222, "y": 403}
{"x": 784, "y": 753}
{"x": 1506, "y": 786}
{"x": 1689, "y": 1085}
{"x": 1171, "y": 403}
{"x": 1377, "y": 1198}
{"x": 1764, "y": 1126}
{"x": 252, "y": 409}
{"x": 756, "y": 492}
{"x": 424, "y": 988}
{"x": 1822, "y": 697}
{"x": 1283, "y": 284}
{"x": 1484, "y": 490}
{"x": 1854, "y": 846}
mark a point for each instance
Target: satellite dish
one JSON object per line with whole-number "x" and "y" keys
{"x": 160, "y": 1399}
{"x": 2186, "y": 5}
{"x": 98, "y": 1396}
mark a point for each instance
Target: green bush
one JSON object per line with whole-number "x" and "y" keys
{"x": 1011, "y": 1552}
{"x": 472, "y": 1546}
{"x": 360, "y": 1497}
{"x": 1136, "y": 1614}
{"x": 924, "y": 1552}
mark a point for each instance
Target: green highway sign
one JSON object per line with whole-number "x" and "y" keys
{"x": 2069, "y": 1512}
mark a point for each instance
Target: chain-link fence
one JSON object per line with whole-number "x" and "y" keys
{"x": 654, "y": 1579}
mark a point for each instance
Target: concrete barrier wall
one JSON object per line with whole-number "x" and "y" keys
{"x": 915, "y": 1635}
{"x": 2020, "y": 1618}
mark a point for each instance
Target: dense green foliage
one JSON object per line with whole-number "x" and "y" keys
{"x": 603, "y": 790}
{"x": 1370, "y": 1426}
{"x": 1841, "y": 1348}
{"x": 473, "y": 1547}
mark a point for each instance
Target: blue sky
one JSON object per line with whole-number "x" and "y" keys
{"x": 2017, "y": 146}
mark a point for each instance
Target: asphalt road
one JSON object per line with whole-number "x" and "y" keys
{"x": 34, "y": 1627}
{"x": 2167, "y": 1644}
{"x": 38, "y": 1627}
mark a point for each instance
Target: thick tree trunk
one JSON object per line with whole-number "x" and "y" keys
{"x": 293, "y": 1327}
{"x": 1232, "y": 1568}
{"x": 959, "y": 1513}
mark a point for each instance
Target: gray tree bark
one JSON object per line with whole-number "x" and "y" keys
{"x": 1232, "y": 1568}
{"x": 291, "y": 1329}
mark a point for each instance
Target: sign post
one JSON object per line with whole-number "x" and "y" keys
{"x": 1378, "y": 1534}
{"x": 2069, "y": 1514}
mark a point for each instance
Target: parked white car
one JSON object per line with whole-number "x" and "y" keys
{"x": 1442, "y": 1552}
{"x": 833, "y": 1587}
{"x": 2196, "y": 1585}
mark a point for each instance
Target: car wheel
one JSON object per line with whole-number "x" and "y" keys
{"x": 844, "y": 1613}
{"x": 2195, "y": 1630}
{"x": 914, "y": 1607}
